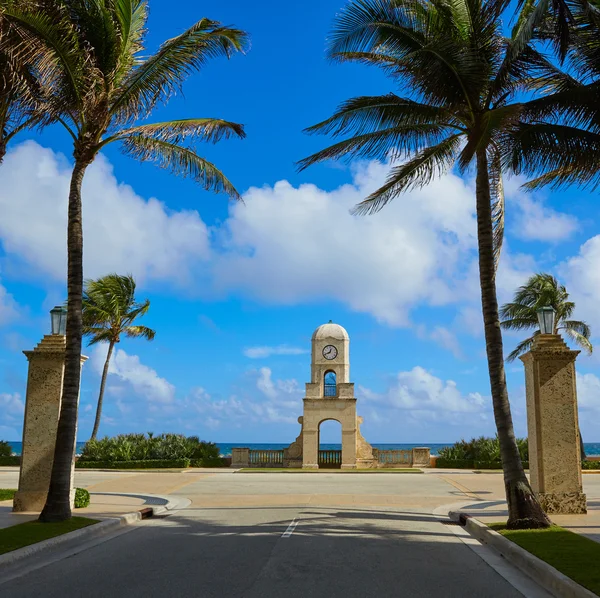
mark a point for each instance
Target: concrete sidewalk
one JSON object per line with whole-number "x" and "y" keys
{"x": 102, "y": 506}
{"x": 490, "y": 505}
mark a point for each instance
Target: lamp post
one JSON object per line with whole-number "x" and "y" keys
{"x": 58, "y": 320}
{"x": 552, "y": 420}
{"x": 42, "y": 411}
{"x": 546, "y": 318}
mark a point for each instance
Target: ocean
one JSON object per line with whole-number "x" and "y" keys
{"x": 591, "y": 448}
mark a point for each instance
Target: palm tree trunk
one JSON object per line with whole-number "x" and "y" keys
{"x": 58, "y": 503}
{"x": 524, "y": 510}
{"x": 101, "y": 395}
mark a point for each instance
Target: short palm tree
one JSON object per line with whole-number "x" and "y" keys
{"x": 542, "y": 290}
{"x": 463, "y": 78}
{"x": 109, "y": 312}
{"x": 91, "y": 56}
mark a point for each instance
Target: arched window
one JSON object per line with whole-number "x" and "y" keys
{"x": 330, "y": 386}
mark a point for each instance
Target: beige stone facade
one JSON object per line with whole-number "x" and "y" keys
{"x": 553, "y": 426}
{"x": 330, "y": 358}
{"x": 42, "y": 410}
{"x": 330, "y": 396}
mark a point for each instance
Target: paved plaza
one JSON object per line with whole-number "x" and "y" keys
{"x": 284, "y": 534}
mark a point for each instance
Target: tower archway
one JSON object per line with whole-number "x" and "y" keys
{"x": 330, "y": 444}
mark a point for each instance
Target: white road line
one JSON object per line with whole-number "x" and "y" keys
{"x": 290, "y": 529}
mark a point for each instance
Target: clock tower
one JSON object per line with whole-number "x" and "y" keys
{"x": 330, "y": 395}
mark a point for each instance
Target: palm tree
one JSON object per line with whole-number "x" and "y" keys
{"x": 109, "y": 311}
{"x": 20, "y": 98}
{"x": 91, "y": 55}
{"x": 463, "y": 76}
{"x": 569, "y": 117}
{"x": 542, "y": 290}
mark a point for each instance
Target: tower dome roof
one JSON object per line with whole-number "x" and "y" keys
{"x": 330, "y": 330}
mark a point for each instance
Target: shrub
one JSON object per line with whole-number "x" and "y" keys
{"x": 147, "y": 464}
{"x": 82, "y": 498}
{"x": 590, "y": 465}
{"x": 5, "y": 449}
{"x": 445, "y": 463}
{"x": 141, "y": 447}
{"x": 5, "y": 461}
{"x": 484, "y": 450}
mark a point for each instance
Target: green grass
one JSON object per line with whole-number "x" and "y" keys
{"x": 572, "y": 554}
{"x": 31, "y": 532}
{"x": 6, "y": 494}
{"x": 298, "y": 470}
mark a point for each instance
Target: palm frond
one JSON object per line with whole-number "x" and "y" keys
{"x": 522, "y": 347}
{"x": 179, "y": 160}
{"x": 366, "y": 114}
{"x": 497, "y": 199}
{"x": 176, "y": 131}
{"x": 580, "y": 339}
{"x": 534, "y": 150}
{"x": 577, "y": 326}
{"x": 140, "y": 332}
{"x": 382, "y": 145}
{"x": 161, "y": 76}
{"x": 418, "y": 172}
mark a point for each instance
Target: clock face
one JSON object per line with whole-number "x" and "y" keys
{"x": 330, "y": 352}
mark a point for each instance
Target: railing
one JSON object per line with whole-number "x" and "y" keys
{"x": 330, "y": 459}
{"x": 394, "y": 457}
{"x": 264, "y": 458}
{"x": 330, "y": 390}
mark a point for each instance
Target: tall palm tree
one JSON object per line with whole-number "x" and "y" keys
{"x": 463, "y": 77}
{"x": 20, "y": 97}
{"x": 91, "y": 56}
{"x": 569, "y": 117}
{"x": 109, "y": 311}
{"x": 542, "y": 290}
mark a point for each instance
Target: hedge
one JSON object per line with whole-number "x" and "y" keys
{"x": 82, "y": 498}
{"x": 147, "y": 464}
{"x": 5, "y": 461}
{"x": 590, "y": 465}
{"x": 465, "y": 464}
{"x": 454, "y": 463}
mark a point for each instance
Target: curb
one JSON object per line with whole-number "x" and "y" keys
{"x": 542, "y": 573}
{"x": 92, "y": 531}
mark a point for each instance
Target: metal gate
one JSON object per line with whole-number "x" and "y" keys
{"x": 330, "y": 459}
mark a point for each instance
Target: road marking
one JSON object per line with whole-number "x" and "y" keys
{"x": 290, "y": 529}
{"x": 463, "y": 489}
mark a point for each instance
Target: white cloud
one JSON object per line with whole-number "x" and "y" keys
{"x": 9, "y": 310}
{"x": 119, "y": 226}
{"x": 11, "y": 404}
{"x": 143, "y": 380}
{"x": 535, "y": 220}
{"x": 447, "y": 340}
{"x": 262, "y": 352}
{"x": 292, "y": 245}
{"x": 581, "y": 275}
{"x": 426, "y": 395}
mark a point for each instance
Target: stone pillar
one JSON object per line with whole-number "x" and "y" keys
{"x": 310, "y": 448}
{"x": 240, "y": 457}
{"x": 421, "y": 457}
{"x": 42, "y": 410}
{"x": 553, "y": 426}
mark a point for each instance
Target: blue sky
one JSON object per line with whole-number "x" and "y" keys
{"x": 237, "y": 290}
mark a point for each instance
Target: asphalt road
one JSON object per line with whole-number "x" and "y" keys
{"x": 279, "y": 551}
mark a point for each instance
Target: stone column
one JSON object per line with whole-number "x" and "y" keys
{"x": 310, "y": 448}
{"x": 42, "y": 410}
{"x": 553, "y": 426}
{"x": 240, "y": 457}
